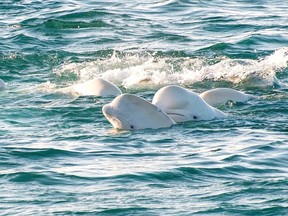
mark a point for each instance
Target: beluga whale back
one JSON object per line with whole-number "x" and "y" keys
{"x": 218, "y": 96}
{"x": 95, "y": 87}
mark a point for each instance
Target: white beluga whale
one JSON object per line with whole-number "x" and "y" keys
{"x": 130, "y": 112}
{"x": 184, "y": 105}
{"x": 94, "y": 87}
{"x": 2, "y": 85}
{"x": 218, "y": 96}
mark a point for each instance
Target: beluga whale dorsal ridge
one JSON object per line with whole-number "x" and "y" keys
{"x": 184, "y": 105}
{"x": 2, "y": 85}
{"x": 94, "y": 87}
{"x": 130, "y": 112}
{"x": 219, "y": 96}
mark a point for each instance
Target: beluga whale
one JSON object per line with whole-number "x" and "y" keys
{"x": 184, "y": 105}
{"x": 217, "y": 96}
{"x": 94, "y": 87}
{"x": 130, "y": 112}
{"x": 2, "y": 85}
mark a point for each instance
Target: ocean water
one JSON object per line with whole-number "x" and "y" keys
{"x": 60, "y": 156}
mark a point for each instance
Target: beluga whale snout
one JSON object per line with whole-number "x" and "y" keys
{"x": 130, "y": 112}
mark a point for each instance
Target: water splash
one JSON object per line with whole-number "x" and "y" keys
{"x": 152, "y": 70}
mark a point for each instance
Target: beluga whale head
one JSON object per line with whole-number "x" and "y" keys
{"x": 130, "y": 112}
{"x": 184, "y": 105}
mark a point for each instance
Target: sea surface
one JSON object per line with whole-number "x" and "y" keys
{"x": 60, "y": 156}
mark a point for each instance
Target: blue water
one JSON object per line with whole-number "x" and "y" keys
{"x": 60, "y": 156}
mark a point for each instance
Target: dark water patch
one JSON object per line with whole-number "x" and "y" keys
{"x": 218, "y": 19}
{"x": 127, "y": 211}
{"x": 169, "y": 37}
{"x": 91, "y": 14}
{"x": 229, "y": 27}
{"x": 235, "y": 158}
{"x": 164, "y": 178}
{"x": 27, "y": 42}
{"x": 175, "y": 175}
{"x": 257, "y": 40}
{"x": 47, "y": 178}
{"x": 260, "y": 39}
{"x": 33, "y": 22}
{"x": 127, "y": 155}
{"x": 59, "y": 24}
{"x": 229, "y": 209}
{"x": 232, "y": 50}
{"x": 279, "y": 210}
{"x": 25, "y": 177}
{"x": 201, "y": 176}
{"x": 32, "y": 153}
{"x": 271, "y": 183}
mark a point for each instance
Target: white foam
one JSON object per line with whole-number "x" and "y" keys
{"x": 136, "y": 71}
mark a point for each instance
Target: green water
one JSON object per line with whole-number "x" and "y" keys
{"x": 60, "y": 156}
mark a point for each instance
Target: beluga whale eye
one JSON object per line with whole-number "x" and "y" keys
{"x": 131, "y": 126}
{"x": 194, "y": 117}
